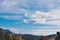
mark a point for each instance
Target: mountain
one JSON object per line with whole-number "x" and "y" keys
{"x": 8, "y": 35}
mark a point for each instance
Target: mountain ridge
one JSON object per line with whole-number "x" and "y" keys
{"x": 10, "y": 35}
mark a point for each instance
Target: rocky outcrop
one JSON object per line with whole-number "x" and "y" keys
{"x": 5, "y": 35}
{"x": 2, "y": 34}
{"x": 18, "y": 37}
{"x": 9, "y": 36}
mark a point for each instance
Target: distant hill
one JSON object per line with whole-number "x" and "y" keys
{"x": 7, "y": 34}
{"x": 7, "y": 31}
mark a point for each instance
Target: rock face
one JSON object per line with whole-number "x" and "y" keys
{"x": 1, "y": 34}
{"x": 5, "y": 35}
{"x": 18, "y": 37}
{"x": 52, "y": 38}
{"x": 9, "y": 36}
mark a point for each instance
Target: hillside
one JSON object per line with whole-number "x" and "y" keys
{"x": 8, "y": 35}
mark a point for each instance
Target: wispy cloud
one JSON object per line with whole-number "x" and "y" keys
{"x": 23, "y": 6}
{"x": 18, "y": 6}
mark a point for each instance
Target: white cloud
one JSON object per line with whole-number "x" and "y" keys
{"x": 11, "y": 6}
{"x": 52, "y": 17}
{"x": 50, "y": 4}
{"x": 25, "y": 21}
{"x": 39, "y": 17}
{"x": 54, "y": 22}
{"x": 44, "y": 32}
{"x": 13, "y": 29}
{"x": 17, "y": 6}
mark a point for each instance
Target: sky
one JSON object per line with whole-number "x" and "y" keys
{"x": 36, "y": 17}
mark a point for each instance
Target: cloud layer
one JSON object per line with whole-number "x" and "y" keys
{"x": 38, "y": 11}
{"x": 32, "y": 11}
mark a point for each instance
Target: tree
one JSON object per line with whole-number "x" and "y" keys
{"x": 58, "y": 36}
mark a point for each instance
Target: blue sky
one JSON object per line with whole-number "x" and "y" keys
{"x": 36, "y": 17}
